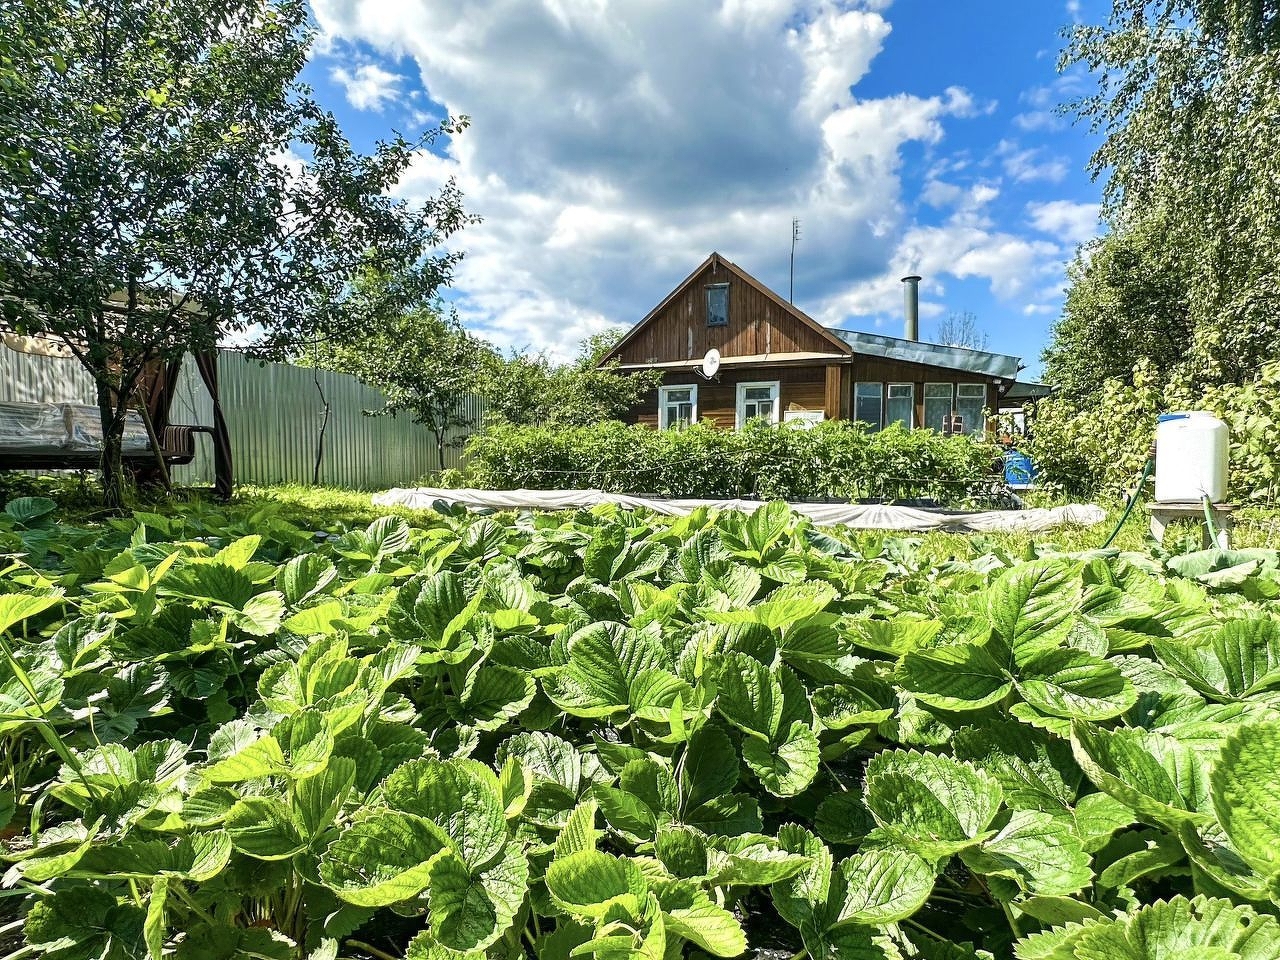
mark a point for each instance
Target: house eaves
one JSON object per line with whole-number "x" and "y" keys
{"x": 998, "y": 365}
{"x": 773, "y": 359}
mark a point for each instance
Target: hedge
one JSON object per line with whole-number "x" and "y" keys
{"x": 833, "y": 460}
{"x": 1095, "y": 447}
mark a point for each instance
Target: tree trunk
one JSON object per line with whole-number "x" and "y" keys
{"x": 112, "y": 447}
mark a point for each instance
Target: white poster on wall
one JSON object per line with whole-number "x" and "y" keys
{"x": 803, "y": 419}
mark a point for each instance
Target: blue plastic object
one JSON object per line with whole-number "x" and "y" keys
{"x": 1018, "y": 469}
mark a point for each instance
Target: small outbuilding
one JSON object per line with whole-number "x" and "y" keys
{"x": 729, "y": 349}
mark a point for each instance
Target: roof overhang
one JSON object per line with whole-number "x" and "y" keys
{"x": 799, "y": 358}
{"x": 999, "y": 366}
{"x": 1025, "y": 390}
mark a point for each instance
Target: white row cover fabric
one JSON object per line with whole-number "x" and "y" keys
{"x": 863, "y": 516}
{"x": 57, "y": 428}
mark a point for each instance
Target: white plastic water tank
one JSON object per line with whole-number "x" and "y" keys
{"x": 1191, "y": 457}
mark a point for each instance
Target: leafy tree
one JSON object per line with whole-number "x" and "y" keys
{"x": 422, "y": 360}
{"x": 534, "y": 390}
{"x": 1127, "y": 302}
{"x": 961, "y": 330}
{"x": 185, "y": 188}
{"x": 1187, "y": 96}
{"x": 22, "y": 41}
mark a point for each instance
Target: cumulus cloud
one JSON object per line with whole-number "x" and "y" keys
{"x": 614, "y": 145}
{"x": 1072, "y": 223}
{"x": 368, "y": 87}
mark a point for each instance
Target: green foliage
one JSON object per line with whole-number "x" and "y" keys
{"x": 1187, "y": 92}
{"x": 533, "y": 390}
{"x": 180, "y": 187}
{"x": 618, "y": 735}
{"x": 422, "y": 360}
{"x": 834, "y": 459}
{"x": 1097, "y": 445}
{"x": 1126, "y": 303}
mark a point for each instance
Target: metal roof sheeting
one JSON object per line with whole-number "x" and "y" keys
{"x": 931, "y": 354}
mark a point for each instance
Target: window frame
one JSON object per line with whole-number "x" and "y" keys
{"x": 663, "y": 424}
{"x": 979, "y": 424}
{"x": 880, "y": 396}
{"x": 951, "y": 403}
{"x": 740, "y": 396}
{"x": 712, "y": 288}
{"x": 910, "y": 423}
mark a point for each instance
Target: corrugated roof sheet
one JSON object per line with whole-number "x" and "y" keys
{"x": 933, "y": 354}
{"x": 1028, "y": 390}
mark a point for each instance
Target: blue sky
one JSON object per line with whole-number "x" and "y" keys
{"x": 614, "y": 144}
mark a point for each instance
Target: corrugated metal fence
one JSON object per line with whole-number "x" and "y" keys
{"x": 274, "y": 413}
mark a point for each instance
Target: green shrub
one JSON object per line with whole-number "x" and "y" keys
{"x": 837, "y": 459}
{"x": 1097, "y": 447}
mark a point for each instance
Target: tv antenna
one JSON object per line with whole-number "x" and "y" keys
{"x": 711, "y": 363}
{"x": 795, "y": 235}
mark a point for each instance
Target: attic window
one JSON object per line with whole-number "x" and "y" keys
{"x": 717, "y": 305}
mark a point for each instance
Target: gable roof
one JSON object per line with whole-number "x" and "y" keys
{"x": 839, "y": 346}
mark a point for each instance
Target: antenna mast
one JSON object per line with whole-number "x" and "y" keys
{"x": 795, "y": 235}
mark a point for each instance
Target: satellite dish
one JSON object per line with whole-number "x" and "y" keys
{"x": 711, "y": 363}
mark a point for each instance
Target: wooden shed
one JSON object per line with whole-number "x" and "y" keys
{"x": 778, "y": 363}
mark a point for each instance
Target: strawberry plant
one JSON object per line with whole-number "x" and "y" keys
{"x": 609, "y": 734}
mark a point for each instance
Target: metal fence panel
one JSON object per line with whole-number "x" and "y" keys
{"x": 28, "y": 377}
{"x": 274, "y": 413}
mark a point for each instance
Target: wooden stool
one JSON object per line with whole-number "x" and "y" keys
{"x": 1163, "y": 513}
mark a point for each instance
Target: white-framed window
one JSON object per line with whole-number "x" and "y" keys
{"x": 758, "y": 400}
{"x": 938, "y": 398}
{"x": 868, "y": 404}
{"x": 677, "y": 405}
{"x": 900, "y": 406}
{"x": 971, "y": 403}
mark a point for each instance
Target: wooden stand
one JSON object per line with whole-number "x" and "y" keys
{"x": 1163, "y": 513}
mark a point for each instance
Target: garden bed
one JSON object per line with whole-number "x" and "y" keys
{"x": 617, "y": 734}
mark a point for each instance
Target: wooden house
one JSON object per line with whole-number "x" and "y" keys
{"x": 778, "y": 363}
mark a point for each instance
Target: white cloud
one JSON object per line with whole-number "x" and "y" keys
{"x": 1015, "y": 268}
{"x": 1045, "y": 101}
{"x": 368, "y": 87}
{"x": 1072, "y": 223}
{"x": 1033, "y": 163}
{"x": 614, "y": 145}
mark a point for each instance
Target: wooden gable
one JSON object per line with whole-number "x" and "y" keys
{"x": 760, "y": 323}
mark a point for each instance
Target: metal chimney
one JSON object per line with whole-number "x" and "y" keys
{"x": 911, "y": 295}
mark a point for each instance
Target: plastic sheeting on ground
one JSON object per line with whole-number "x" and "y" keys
{"x": 865, "y": 516}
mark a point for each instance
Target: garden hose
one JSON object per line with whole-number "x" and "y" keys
{"x": 1133, "y": 499}
{"x": 1212, "y": 527}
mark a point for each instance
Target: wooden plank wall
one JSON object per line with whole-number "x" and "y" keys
{"x": 801, "y": 388}
{"x": 757, "y": 325}
{"x": 882, "y": 370}
{"x": 819, "y": 387}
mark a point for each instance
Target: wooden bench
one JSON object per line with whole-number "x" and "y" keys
{"x": 1164, "y": 513}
